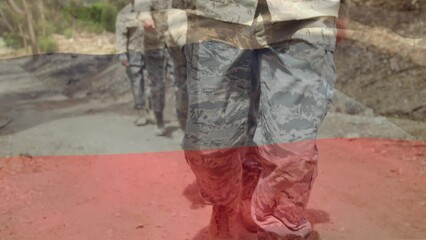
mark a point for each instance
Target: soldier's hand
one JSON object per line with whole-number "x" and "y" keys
{"x": 125, "y": 63}
{"x": 149, "y": 25}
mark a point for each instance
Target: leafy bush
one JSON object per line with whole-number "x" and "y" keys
{"x": 47, "y": 27}
{"x": 109, "y": 14}
{"x": 90, "y": 27}
{"x": 63, "y": 22}
{"x": 93, "y": 17}
{"x": 12, "y": 40}
{"x": 68, "y": 33}
{"x": 92, "y": 13}
{"x": 47, "y": 45}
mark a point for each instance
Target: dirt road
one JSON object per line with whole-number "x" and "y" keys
{"x": 78, "y": 169}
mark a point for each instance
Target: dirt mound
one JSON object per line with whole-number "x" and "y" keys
{"x": 383, "y": 65}
{"x": 399, "y": 5}
{"x": 389, "y": 84}
{"x": 78, "y": 76}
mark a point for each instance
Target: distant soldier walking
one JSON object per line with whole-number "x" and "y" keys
{"x": 129, "y": 43}
{"x": 160, "y": 43}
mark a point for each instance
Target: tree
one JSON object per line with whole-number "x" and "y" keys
{"x": 26, "y": 23}
{"x": 19, "y": 18}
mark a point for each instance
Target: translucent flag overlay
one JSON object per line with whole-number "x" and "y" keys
{"x": 74, "y": 166}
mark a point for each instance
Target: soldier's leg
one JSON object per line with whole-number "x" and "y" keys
{"x": 218, "y": 88}
{"x": 156, "y": 66}
{"x": 181, "y": 94}
{"x": 170, "y": 67}
{"x": 251, "y": 167}
{"x": 136, "y": 76}
{"x": 297, "y": 78}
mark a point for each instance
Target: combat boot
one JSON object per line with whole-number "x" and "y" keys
{"x": 142, "y": 120}
{"x": 160, "y": 129}
{"x": 251, "y": 173}
{"x": 246, "y": 219}
{"x": 304, "y": 233}
{"x": 223, "y": 222}
{"x": 272, "y": 236}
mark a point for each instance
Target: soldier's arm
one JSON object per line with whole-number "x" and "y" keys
{"x": 121, "y": 37}
{"x": 152, "y": 13}
{"x": 158, "y": 11}
{"x": 144, "y": 10}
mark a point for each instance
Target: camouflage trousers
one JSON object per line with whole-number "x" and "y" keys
{"x": 156, "y": 61}
{"x": 256, "y": 100}
{"x": 179, "y": 84}
{"x": 136, "y": 76}
{"x": 158, "y": 64}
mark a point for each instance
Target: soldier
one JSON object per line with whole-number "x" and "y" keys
{"x": 156, "y": 61}
{"x": 129, "y": 43}
{"x": 161, "y": 41}
{"x": 175, "y": 40}
{"x": 260, "y": 82}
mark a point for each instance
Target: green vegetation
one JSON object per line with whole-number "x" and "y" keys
{"x": 108, "y": 17}
{"x": 94, "y": 18}
{"x": 68, "y": 33}
{"x": 47, "y": 45}
{"x": 12, "y": 40}
{"x": 31, "y": 23}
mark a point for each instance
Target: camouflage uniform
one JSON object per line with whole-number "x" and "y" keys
{"x": 260, "y": 80}
{"x": 181, "y": 95}
{"x": 157, "y": 43}
{"x": 129, "y": 44}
